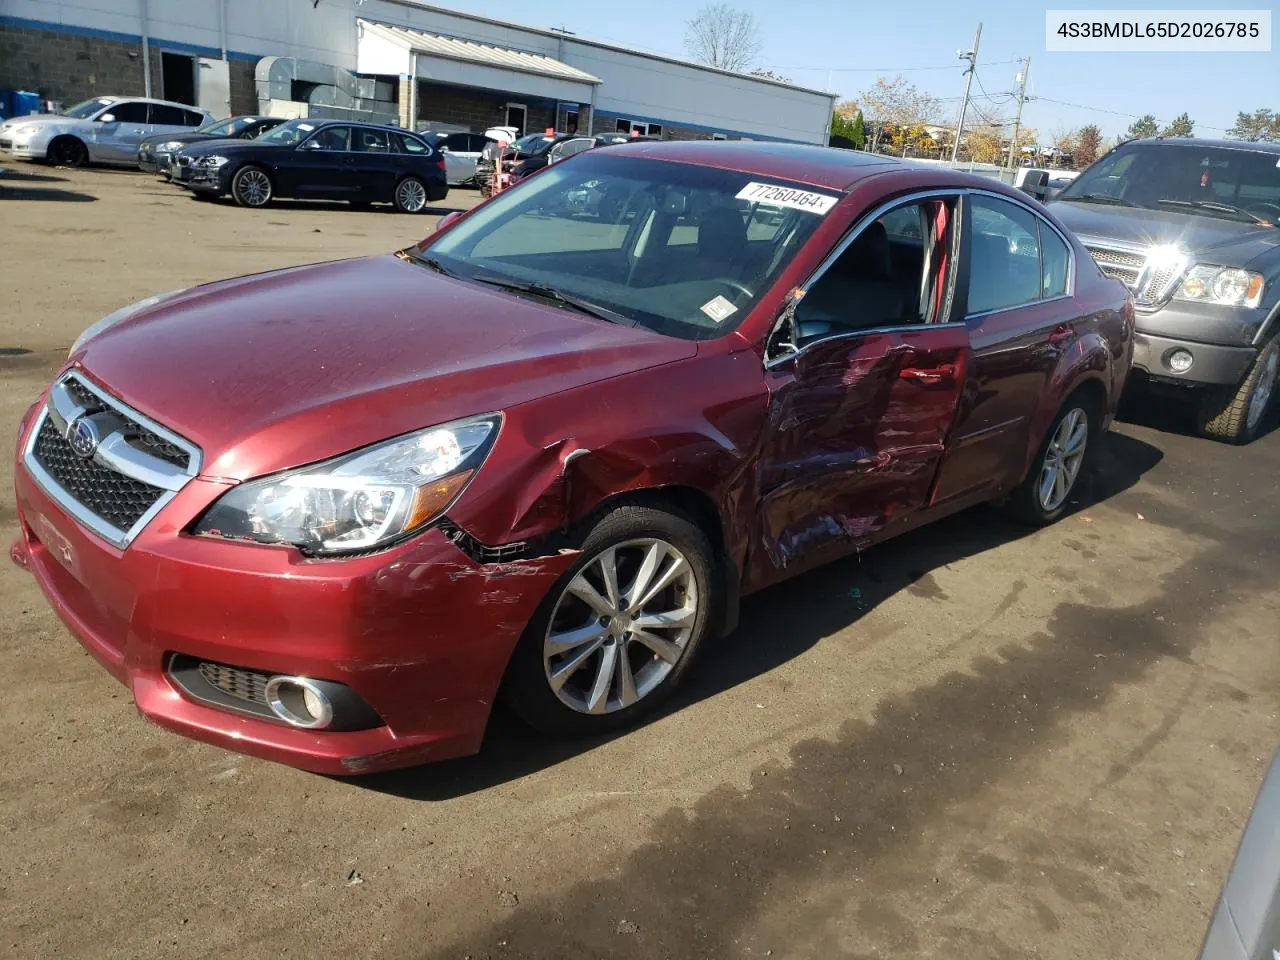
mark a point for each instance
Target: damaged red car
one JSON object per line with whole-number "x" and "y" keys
{"x": 330, "y": 515}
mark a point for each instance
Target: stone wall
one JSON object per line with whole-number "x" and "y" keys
{"x": 69, "y": 68}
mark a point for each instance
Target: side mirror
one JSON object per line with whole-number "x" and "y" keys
{"x": 447, "y": 220}
{"x": 107, "y": 118}
{"x": 309, "y": 145}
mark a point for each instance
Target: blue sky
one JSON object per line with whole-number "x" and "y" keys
{"x": 814, "y": 42}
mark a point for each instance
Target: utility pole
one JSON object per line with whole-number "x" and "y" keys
{"x": 972, "y": 57}
{"x": 1017, "y": 119}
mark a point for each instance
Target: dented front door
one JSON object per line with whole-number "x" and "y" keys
{"x": 857, "y": 427}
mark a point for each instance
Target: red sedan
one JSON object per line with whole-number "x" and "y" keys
{"x": 329, "y": 515}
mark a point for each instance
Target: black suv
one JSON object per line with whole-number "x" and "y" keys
{"x": 1193, "y": 227}
{"x": 318, "y": 160}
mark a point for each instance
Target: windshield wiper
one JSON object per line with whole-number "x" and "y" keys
{"x": 1215, "y": 206}
{"x": 1101, "y": 198}
{"x": 548, "y": 292}
{"x": 429, "y": 262}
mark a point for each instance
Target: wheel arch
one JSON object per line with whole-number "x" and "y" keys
{"x": 1087, "y": 366}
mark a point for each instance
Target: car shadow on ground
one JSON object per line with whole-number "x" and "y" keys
{"x": 47, "y": 194}
{"x": 1178, "y": 416}
{"x": 9, "y": 175}
{"x": 776, "y": 625}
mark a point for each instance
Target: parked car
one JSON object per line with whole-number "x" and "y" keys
{"x": 1058, "y": 181}
{"x": 102, "y": 130}
{"x": 326, "y": 515}
{"x": 538, "y": 150}
{"x": 1246, "y": 923}
{"x": 318, "y": 159}
{"x": 156, "y": 156}
{"x": 1191, "y": 227}
{"x": 461, "y": 153}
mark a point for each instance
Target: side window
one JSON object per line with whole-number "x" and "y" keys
{"x": 193, "y": 119}
{"x": 168, "y": 116}
{"x": 1004, "y": 255}
{"x": 895, "y": 272}
{"x": 370, "y": 141}
{"x": 412, "y": 144}
{"x": 128, "y": 112}
{"x": 1055, "y": 259}
{"x": 332, "y": 138}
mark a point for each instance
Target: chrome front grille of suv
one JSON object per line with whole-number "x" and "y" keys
{"x": 1132, "y": 264}
{"x": 106, "y": 464}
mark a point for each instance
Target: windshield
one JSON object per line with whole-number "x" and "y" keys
{"x": 531, "y": 143}
{"x": 88, "y": 108}
{"x": 227, "y": 128}
{"x": 1185, "y": 177}
{"x": 293, "y": 131}
{"x": 680, "y": 249}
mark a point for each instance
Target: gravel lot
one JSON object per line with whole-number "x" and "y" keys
{"x": 973, "y": 742}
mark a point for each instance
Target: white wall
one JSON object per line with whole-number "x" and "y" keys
{"x": 633, "y": 86}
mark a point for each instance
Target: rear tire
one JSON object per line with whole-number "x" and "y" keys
{"x": 67, "y": 151}
{"x": 251, "y": 187}
{"x": 1062, "y": 465}
{"x": 411, "y": 195}
{"x": 581, "y": 669}
{"x": 1236, "y": 414}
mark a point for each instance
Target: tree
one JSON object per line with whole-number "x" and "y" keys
{"x": 1066, "y": 142}
{"x": 1181, "y": 126}
{"x": 983, "y": 144}
{"x": 1145, "y": 127}
{"x": 723, "y": 37}
{"x": 1088, "y": 146}
{"x": 897, "y": 103}
{"x": 770, "y": 75}
{"x": 846, "y": 133}
{"x": 1259, "y": 125}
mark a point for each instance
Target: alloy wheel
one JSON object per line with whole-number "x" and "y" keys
{"x": 254, "y": 188}
{"x": 1262, "y": 391}
{"x": 1063, "y": 459}
{"x": 411, "y": 195}
{"x": 620, "y": 626}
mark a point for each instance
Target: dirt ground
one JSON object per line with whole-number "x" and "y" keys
{"x": 974, "y": 742}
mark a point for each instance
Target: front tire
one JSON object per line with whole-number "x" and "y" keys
{"x": 67, "y": 151}
{"x": 619, "y": 630}
{"x": 251, "y": 187}
{"x": 411, "y": 195}
{"x": 1236, "y": 414}
{"x": 1062, "y": 465}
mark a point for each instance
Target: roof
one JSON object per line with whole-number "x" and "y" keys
{"x": 602, "y": 45}
{"x": 826, "y": 167}
{"x": 470, "y": 51}
{"x": 1258, "y": 146}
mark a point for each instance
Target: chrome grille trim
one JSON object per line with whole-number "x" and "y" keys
{"x": 1130, "y": 263}
{"x": 73, "y": 396}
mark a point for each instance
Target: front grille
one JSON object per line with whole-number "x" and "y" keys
{"x": 1118, "y": 264}
{"x": 247, "y": 685}
{"x": 6, "y": 144}
{"x": 113, "y": 497}
{"x": 1151, "y": 284}
{"x": 133, "y": 468}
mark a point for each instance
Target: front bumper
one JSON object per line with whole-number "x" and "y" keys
{"x": 1211, "y": 363}
{"x": 30, "y": 147}
{"x": 421, "y": 633}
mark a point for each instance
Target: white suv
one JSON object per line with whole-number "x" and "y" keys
{"x": 101, "y": 130}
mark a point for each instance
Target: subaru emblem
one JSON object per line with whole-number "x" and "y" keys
{"x": 83, "y": 436}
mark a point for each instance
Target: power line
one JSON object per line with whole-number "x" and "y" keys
{"x": 886, "y": 70}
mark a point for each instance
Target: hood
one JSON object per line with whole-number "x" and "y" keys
{"x": 41, "y": 118}
{"x": 286, "y": 368}
{"x": 187, "y": 138}
{"x": 1226, "y": 242}
{"x": 224, "y": 145}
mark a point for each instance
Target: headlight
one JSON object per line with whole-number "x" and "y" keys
{"x": 169, "y": 145}
{"x": 1229, "y": 286}
{"x": 29, "y": 128}
{"x": 360, "y": 501}
{"x": 111, "y": 319}
{"x": 213, "y": 162}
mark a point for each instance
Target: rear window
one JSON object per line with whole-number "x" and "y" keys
{"x": 412, "y": 144}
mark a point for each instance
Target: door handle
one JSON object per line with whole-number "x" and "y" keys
{"x": 946, "y": 371}
{"x": 1061, "y": 334}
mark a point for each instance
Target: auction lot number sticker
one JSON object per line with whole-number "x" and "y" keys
{"x": 777, "y": 196}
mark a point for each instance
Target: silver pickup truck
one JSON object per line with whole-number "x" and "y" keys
{"x": 1193, "y": 228}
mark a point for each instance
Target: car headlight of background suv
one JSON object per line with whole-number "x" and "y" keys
{"x": 1229, "y": 286}
{"x": 211, "y": 162}
{"x": 169, "y": 146}
{"x": 361, "y": 501}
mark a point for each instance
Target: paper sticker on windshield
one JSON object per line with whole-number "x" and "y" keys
{"x": 719, "y": 309}
{"x": 777, "y": 196}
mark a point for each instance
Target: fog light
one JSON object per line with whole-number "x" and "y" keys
{"x": 299, "y": 702}
{"x": 1180, "y": 361}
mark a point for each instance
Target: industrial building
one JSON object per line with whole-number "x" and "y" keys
{"x": 394, "y": 61}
